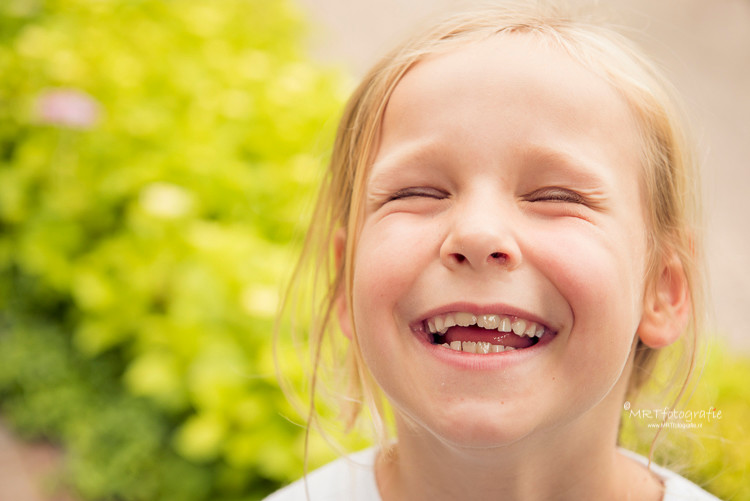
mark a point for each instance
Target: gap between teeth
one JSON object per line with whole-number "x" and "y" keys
{"x": 502, "y": 323}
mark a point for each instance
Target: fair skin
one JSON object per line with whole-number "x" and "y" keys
{"x": 506, "y": 182}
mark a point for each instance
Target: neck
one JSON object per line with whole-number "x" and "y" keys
{"x": 574, "y": 461}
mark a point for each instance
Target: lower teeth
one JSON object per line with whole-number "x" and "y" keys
{"x": 478, "y": 347}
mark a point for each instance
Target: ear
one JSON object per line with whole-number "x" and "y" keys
{"x": 340, "y": 303}
{"x": 666, "y": 305}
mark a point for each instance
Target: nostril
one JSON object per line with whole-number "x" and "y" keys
{"x": 460, "y": 258}
{"x": 499, "y": 255}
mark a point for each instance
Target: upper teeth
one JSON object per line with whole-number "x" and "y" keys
{"x": 503, "y": 323}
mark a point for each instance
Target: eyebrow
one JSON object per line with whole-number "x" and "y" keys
{"x": 421, "y": 153}
{"x": 413, "y": 153}
{"x": 580, "y": 169}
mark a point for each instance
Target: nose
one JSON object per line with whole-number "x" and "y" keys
{"x": 481, "y": 236}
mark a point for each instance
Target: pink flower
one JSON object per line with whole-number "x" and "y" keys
{"x": 67, "y": 108}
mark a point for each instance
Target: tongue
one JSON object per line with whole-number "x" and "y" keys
{"x": 478, "y": 334}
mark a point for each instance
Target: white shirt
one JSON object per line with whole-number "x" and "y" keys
{"x": 352, "y": 478}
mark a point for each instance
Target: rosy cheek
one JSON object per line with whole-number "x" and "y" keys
{"x": 389, "y": 255}
{"x": 589, "y": 268}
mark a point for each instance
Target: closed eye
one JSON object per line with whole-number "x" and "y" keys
{"x": 556, "y": 194}
{"x": 418, "y": 191}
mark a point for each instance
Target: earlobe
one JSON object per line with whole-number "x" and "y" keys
{"x": 666, "y": 305}
{"x": 340, "y": 303}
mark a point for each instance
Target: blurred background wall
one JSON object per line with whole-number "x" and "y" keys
{"x": 703, "y": 45}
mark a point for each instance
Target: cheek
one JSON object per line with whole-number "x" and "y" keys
{"x": 599, "y": 273}
{"x": 390, "y": 256}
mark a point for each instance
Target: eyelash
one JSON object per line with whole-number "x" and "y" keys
{"x": 552, "y": 194}
{"x": 420, "y": 191}
{"x": 556, "y": 194}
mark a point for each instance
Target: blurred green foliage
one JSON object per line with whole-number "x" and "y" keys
{"x": 710, "y": 442}
{"x": 155, "y": 156}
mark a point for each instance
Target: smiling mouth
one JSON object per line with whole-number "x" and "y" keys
{"x": 483, "y": 334}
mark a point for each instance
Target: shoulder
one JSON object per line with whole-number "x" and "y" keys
{"x": 347, "y": 478}
{"x": 676, "y": 487}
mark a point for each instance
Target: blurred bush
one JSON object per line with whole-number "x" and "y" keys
{"x": 154, "y": 160}
{"x": 709, "y": 442}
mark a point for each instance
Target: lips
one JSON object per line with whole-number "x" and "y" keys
{"x": 483, "y": 333}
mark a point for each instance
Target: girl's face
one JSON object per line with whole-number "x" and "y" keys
{"x": 504, "y": 193}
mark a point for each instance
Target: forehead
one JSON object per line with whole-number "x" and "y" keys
{"x": 506, "y": 75}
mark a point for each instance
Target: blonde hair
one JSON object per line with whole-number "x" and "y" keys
{"x": 668, "y": 182}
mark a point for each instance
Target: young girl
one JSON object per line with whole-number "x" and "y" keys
{"x": 510, "y": 212}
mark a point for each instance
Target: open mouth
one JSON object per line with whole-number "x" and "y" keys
{"x": 484, "y": 334}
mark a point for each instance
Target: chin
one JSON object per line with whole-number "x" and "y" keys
{"x": 475, "y": 427}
